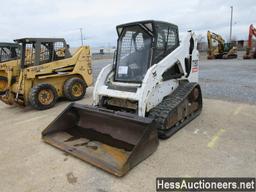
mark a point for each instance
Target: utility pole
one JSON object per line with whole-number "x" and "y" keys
{"x": 82, "y": 37}
{"x": 231, "y": 22}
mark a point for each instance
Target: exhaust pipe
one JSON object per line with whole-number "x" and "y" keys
{"x": 113, "y": 141}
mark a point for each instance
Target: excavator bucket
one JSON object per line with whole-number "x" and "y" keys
{"x": 113, "y": 141}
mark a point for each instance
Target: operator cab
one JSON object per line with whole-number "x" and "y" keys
{"x": 141, "y": 45}
{"x": 9, "y": 51}
{"x": 38, "y": 51}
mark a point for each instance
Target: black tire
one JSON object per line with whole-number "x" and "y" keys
{"x": 74, "y": 93}
{"x": 3, "y": 79}
{"x": 41, "y": 91}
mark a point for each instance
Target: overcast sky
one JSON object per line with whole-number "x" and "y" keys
{"x": 98, "y": 18}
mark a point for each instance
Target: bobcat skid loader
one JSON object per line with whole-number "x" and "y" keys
{"x": 46, "y": 72}
{"x": 9, "y": 53}
{"x": 150, "y": 91}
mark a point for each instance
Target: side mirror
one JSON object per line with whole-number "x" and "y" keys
{"x": 114, "y": 59}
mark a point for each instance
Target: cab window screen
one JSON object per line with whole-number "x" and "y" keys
{"x": 167, "y": 41}
{"x": 134, "y": 48}
{"x": 7, "y": 53}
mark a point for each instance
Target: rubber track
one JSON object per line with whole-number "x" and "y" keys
{"x": 169, "y": 105}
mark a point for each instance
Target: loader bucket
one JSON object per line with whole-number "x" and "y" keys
{"x": 112, "y": 141}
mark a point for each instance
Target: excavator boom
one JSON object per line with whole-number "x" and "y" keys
{"x": 249, "y": 52}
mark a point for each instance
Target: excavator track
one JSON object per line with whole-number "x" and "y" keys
{"x": 177, "y": 109}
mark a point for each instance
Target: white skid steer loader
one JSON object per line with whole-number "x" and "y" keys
{"x": 149, "y": 91}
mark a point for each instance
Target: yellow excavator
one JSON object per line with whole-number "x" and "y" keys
{"x": 46, "y": 72}
{"x": 9, "y": 58}
{"x": 222, "y": 50}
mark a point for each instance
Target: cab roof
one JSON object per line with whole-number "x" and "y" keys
{"x": 146, "y": 21}
{"x": 32, "y": 40}
{"x": 7, "y": 44}
{"x": 154, "y": 24}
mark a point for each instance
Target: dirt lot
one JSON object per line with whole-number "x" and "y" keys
{"x": 220, "y": 142}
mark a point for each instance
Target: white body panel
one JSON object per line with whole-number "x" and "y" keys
{"x": 152, "y": 89}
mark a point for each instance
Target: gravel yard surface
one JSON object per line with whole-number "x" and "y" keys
{"x": 230, "y": 80}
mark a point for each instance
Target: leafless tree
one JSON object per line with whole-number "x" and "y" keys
{"x": 200, "y": 38}
{"x": 200, "y": 42}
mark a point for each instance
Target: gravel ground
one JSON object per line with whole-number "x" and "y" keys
{"x": 98, "y": 65}
{"x": 230, "y": 80}
{"x": 220, "y": 142}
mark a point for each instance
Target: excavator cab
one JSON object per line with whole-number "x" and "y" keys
{"x": 230, "y": 51}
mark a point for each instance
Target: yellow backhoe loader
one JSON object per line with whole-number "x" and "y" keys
{"x": 9, "y": 53}
{"x": 222, "y": 50}
{"x": 46, "y": 72}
